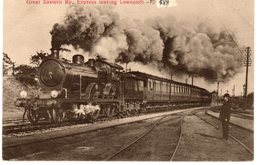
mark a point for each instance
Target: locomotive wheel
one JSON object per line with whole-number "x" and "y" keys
{"x": 128, "y": 113}
{"x": 56, "y": 116}
{"x": 134, "y": 112}
{"x": 143, "y": 110}
{"x": 32, "y": 115}
{"x": 93, "y": 116}
{"x": 109, "y": 111}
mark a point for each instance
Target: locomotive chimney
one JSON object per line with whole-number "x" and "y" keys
{"x": 55, "y": 52}
{"x": 78, "y": 59}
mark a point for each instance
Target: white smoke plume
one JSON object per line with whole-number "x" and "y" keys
{"x": 169, "y": 46}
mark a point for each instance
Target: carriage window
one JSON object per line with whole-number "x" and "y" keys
{"x": 135, "y": 83}
{"x": 128, "y": 84}
{"x": 131, "y": 85}
{"x": 163, "y": 87}
{"x": 141, "y": 85}
{"x": 150, "y": 85}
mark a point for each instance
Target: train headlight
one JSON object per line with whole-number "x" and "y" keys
{"x": 54, "y": 94}
{"x": 23, "y": 94}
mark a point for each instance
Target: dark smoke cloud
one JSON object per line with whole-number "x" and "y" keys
{"x": 177, "y": 48}
{"x": 82, "y": 27}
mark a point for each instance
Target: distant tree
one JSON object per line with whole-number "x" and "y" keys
{"x": 7, "y": 64}
{"x": 26, "y": 74}
{"x": 38, "y": 58}
{"x": 25, "y": 69}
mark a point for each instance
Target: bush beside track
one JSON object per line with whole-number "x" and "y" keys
{"x": 11, "y": 90}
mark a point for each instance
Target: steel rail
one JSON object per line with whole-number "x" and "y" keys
{"x": 11, "y": 145}
{"x": 231, "y": 123}
{"x": 136, "y": 140}
{"x": 20, "y": 128}
{"x": 238, "y": 141}
{"x": 179, "y": 140}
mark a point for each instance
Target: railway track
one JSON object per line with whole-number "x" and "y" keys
{"x": 11, "y": 142}
{"x": 27, "y": 127}
{"x": 44, "y": 125}
{"x": 242, "y": 116}
{"x": 10, "y": 122}
{"x": 239, "y": 114}
{"x": 236, "y": 125}
{"x": 230, "y": 135}
{"x": 179, "y": 141}
{"x": 17, "y": 128}
{"x": 160, "y": 121}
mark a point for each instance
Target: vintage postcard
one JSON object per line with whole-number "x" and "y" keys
{"x": 128, "y": 80}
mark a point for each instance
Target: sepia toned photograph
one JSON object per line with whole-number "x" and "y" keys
{"x": 128, "y": 80}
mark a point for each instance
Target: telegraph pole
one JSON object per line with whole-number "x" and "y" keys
{"x": 192, "y": 76}
{"x": 13, "y": 65}
{"x": 233, "y": 90}
{"x": 218, "y": 87}
{"x": 247, "y": 63}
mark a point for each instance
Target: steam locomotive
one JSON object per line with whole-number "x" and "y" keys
{"x": 89, "y": 90}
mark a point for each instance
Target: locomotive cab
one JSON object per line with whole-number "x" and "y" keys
{"x": 107, "y": 71}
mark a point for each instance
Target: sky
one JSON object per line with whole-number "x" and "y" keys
{"x": 26, "y": 27}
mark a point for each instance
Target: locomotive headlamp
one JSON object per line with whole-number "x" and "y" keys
{"x": 23, "y": 94}
{"x": 54, "y": 94}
